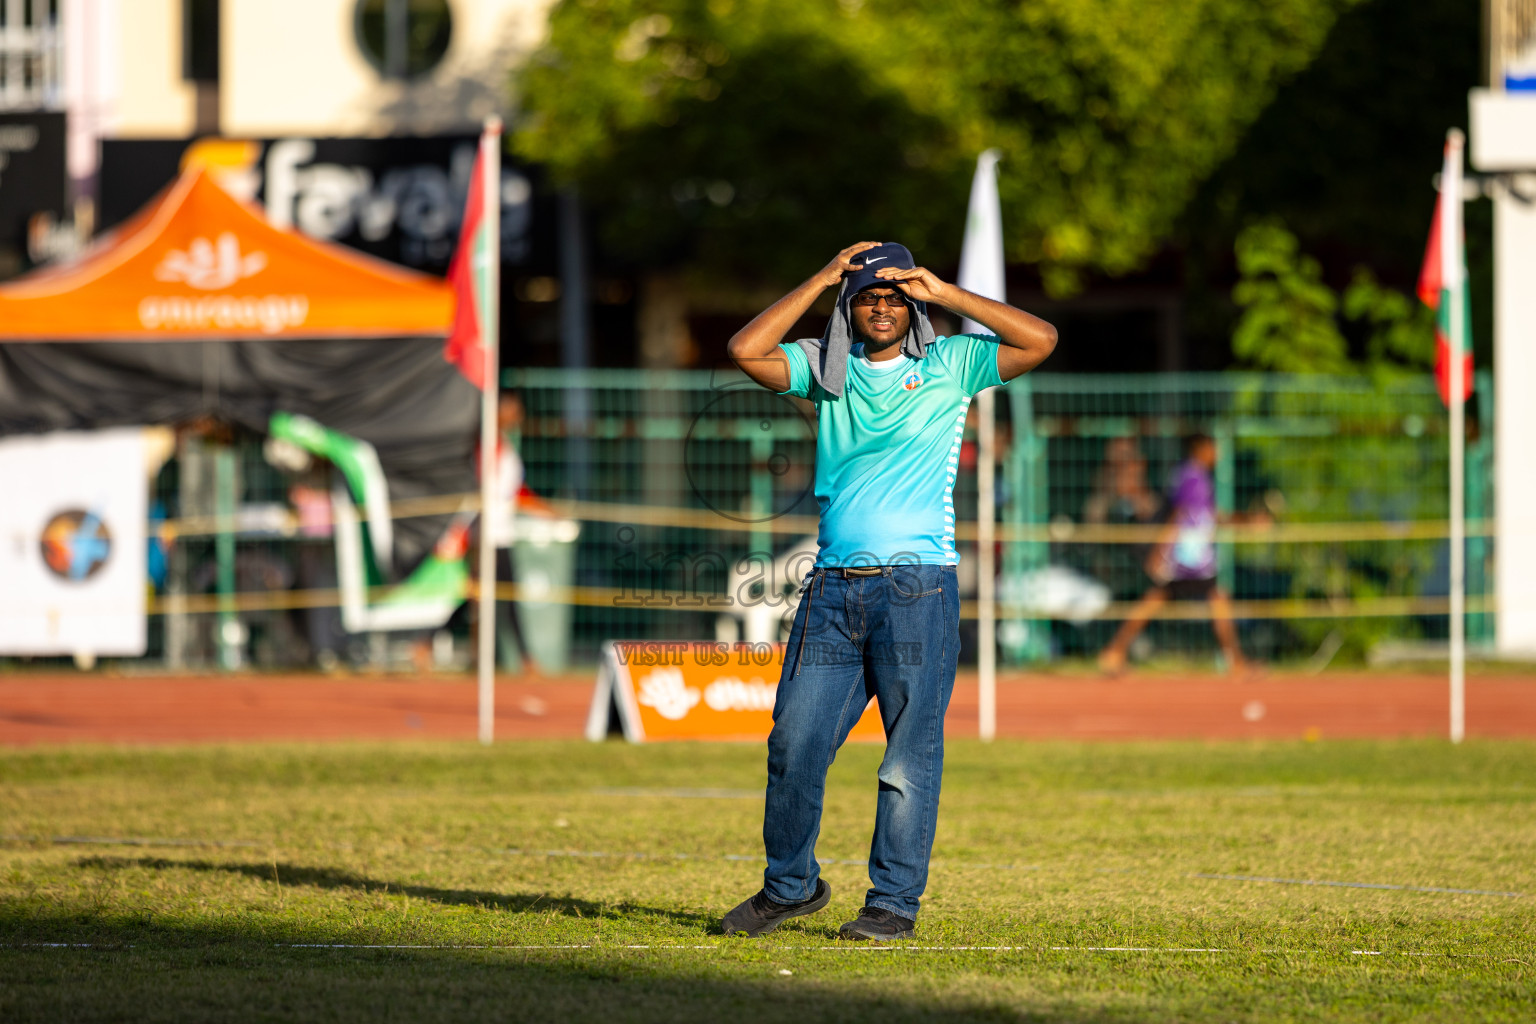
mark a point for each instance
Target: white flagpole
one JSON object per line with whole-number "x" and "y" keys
{"x": 981, "y": 271}
{"x": 986, "y": 565}
{"x": 489, "y": 278}
{"x": 1452, "y": 271}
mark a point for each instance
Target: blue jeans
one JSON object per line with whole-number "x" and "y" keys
{"x": 894, "y": 637}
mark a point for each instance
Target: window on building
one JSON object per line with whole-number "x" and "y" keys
{"x": 200, "y": 40}
{"x": 31, "y": 51}
{"x": 404, "y": 38}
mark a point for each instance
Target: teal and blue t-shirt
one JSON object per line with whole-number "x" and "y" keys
{"x": 888, "y": 449}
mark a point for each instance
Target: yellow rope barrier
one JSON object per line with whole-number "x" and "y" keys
{"x": 676, "y": 601}
{"x": 1042, "y": 533}
{"x": 704, "y": 519}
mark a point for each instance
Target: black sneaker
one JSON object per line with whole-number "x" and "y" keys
{"x": 878, "y": 923}
{"x": 761, "y": 915}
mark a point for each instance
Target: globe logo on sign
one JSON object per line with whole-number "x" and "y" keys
{"x": 75, "y": 545}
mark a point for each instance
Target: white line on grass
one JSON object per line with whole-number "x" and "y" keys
{"x": 699, "y": 794}
{"x": 124, "y": 841}
{"x": 859, "y": 947}
{"x": 507, "y": 851}
{"x": 1358, "y": 885}
{"x": 512, "y": 851}
{"x": 844, "y": 947}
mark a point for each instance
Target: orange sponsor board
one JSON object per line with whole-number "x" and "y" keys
{"x": 694, "y": 690}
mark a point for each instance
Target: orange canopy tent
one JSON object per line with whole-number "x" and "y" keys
{"x": 198, "y": 306}
{"x": 197, "y": 264}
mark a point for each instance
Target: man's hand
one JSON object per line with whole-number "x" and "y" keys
{"x": 1159, "y": 563}
{"x": 832, "y": 274}
{"x": 755, "y": 348}
{"x": 919, "y": 284}
{"x": 1023, "y": 340}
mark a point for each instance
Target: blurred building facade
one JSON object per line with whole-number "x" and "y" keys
{"x": 33, "y": 92}
{"x": 95, "y": 71}
{"x": 329, "y": 68}
{"x": 360, "y": 117}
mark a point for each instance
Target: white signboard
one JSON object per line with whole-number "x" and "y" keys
{"x": 72, "y": 543}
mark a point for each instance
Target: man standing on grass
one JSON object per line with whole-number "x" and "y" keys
{"x": 880, "y": 611}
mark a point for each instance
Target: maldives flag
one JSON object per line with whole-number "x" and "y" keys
{"x": 1444, "y": 272}
{"x": 466, "y": 342}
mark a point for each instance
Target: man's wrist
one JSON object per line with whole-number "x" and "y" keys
{"x": 960, "y": 302}
{"x": 949, "y": 295}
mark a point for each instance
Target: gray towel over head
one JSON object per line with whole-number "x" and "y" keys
{"x": 828, "y": 354}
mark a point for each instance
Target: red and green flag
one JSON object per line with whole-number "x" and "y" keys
{"x": 1445, "y": 272}
{"x": 466, "y": 342}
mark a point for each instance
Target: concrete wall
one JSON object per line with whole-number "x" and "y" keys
{"x": 152, "y": 99}
{"x": 122, "y": 74}
{"x": 288, "y": 67}
{"x": 293, "y": 67}
{"x": 1514, "y": 246}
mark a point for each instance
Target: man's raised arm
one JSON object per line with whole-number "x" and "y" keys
{"x": 1024, "y": 340}
{"x": 755, "y": 348}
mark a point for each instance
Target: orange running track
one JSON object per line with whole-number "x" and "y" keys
{"x": 50, "y": 709}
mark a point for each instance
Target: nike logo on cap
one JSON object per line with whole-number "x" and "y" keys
{"x": 877, "y": 259}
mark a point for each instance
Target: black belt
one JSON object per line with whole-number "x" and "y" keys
{"x": 858, "y": 570}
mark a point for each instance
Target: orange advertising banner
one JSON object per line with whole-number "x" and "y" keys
{"x": 695, "y": 690}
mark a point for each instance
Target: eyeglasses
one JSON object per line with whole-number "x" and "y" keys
{"x": 892, "y": 301}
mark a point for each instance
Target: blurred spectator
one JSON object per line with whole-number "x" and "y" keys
{"x": 315, "y": 565}
{"x": 513, "y": 496}
{"x": 1120, "y": 491}
{"x": 1120, "y": 497}
{"x": 1182, "y": 563}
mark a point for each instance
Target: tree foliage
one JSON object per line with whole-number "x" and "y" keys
{"x": 1344, "y": 157}
{"x": 1293, "y": 322}
{"x": 1288, "y": 320}
{"x": 742, "y": 135}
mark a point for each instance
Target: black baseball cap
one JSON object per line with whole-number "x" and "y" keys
{"x": 886, "y": 254}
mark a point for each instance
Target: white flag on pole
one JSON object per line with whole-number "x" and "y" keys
{"x": 981, "y": 254}
{"x": 981, "y": 272}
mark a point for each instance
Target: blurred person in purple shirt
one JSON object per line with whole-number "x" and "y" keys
{"x": 1182, "y": 564}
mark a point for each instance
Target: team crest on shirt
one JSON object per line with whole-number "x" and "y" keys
{"x": 912, "y": 381}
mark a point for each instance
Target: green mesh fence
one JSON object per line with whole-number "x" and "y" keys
{"x": 1073, "y": 451}
{"x": 693, "y": 490}
{"x": 638, "y": 440}
{"x": 262, "y": 555}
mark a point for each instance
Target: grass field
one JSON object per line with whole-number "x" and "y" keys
{"x": 243, "y": 881}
